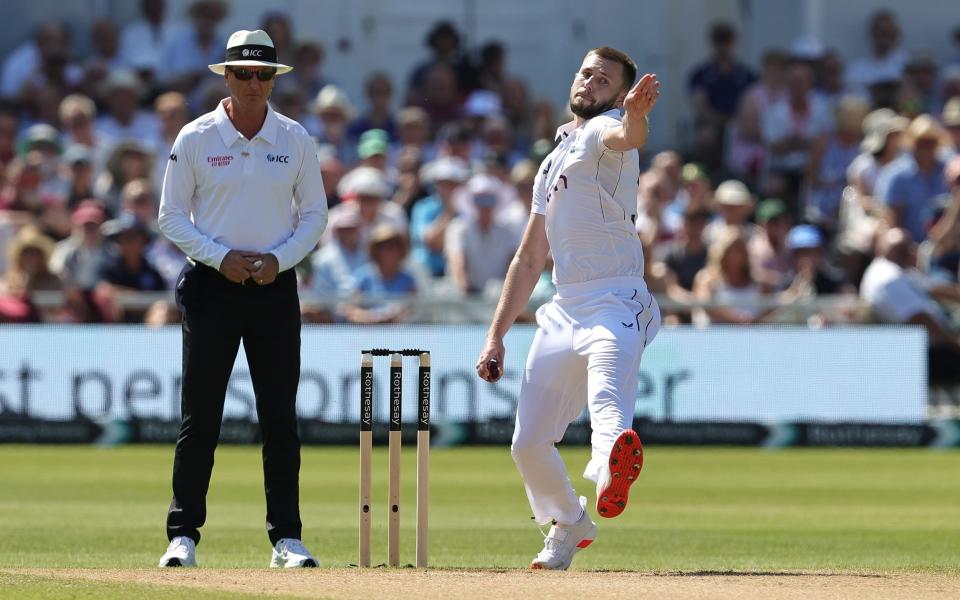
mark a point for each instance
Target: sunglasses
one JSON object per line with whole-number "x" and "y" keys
{"x": 247, "y": 74}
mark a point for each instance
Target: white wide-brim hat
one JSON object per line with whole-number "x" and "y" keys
{"x": 250, "y": 49}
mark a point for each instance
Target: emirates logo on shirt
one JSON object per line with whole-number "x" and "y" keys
{"x": 219, "y": 161}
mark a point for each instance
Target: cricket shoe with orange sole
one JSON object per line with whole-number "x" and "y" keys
{"x": 623, "y": 468}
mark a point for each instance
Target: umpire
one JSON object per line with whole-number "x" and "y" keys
{"x": 243, "y": 198}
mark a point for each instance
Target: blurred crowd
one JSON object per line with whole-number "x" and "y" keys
{"x": 810, "y": 174}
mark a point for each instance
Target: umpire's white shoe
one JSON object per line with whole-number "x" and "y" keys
{"x": 564, "y": 541}
{"x": 181, "y": 552}
{"x": 290, "y": 553}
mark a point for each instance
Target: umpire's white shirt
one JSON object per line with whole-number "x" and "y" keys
{"x": 223, "y": 192}
{"x": 588, "y": 194}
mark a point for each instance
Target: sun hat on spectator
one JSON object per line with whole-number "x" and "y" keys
{"x": 332, "y": 97}
{"x": 925, "y": 127}
{"x": 250, "y": 49}
{"x": 770, "y": 209}
{"x": 446, "y": 168}
{"x": 347, "y": 217}
{"x": 77, "y": 154}
{"x": 40, "y": 136}
{"x": 385, "y": 233}
{"x": 123, "y": 79}
{"x": 364, "y": 181}
{"x": 483, "y": 103}
{"x": 29, "y": 237}
{"x": 951, "y": 112}
{"x": 693, "y": 172}
{"x": 124, "y": 223}
{"x": 877, "y": 125}
{"x": 733, "y": 193}
{"x": 88, "y": 211}
{"x": 804, "y": 236}
{"x": 850, "y": 112}
{"x": 373, "y": 142}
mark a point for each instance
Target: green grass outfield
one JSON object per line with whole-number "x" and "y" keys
{"x": 702, "y": 509}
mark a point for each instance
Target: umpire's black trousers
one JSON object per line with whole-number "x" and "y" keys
{"x": 217, "y": 316}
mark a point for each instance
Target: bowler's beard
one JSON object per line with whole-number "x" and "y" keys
{"x": 590, "y": 111}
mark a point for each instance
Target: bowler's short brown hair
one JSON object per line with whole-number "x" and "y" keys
{"x": 618, "y": 56}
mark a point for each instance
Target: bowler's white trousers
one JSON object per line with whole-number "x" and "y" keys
{"x": 586, "y": 351}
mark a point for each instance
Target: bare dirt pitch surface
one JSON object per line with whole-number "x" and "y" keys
{"x": 349, "y": 584}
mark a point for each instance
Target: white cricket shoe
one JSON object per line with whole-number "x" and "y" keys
{"x": 564, "y": 541}
{"x": 182, "y": 552}
{"x": 290, "y": 553}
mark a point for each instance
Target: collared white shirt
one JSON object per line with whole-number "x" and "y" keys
{"x": 588, "y": 194}
{"x": 223, "y": 192}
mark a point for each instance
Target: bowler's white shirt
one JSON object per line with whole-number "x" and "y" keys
{"x": 223, "y": 192}
{"x": 588, "y": 194}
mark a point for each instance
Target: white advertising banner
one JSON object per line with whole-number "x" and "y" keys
{"x": 731, "y": 374}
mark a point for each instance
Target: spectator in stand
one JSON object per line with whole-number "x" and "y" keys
{"x": 128, "y": 160}
{"x": 21, "y": 186}
{"x": 715, "y": 89}
{"x": 335, "y": 266}
{"x": 654, "y": 223}
{"x": 127, "y": 267}
{"x": 413, "y": 129}
{"x": 792, "y": 127}
{"x": 897, "y": 293}
{"x": 379, "y": 115}
{"x": 188, "y": 50}
{"x": 79, "y": 259}
{"x": 105, "y": 38}
{"x": 432, "y": 216}
{"x": 372, "y": 149}
{"x": 951, "y": 122}
{"x": 941, "y": 252}
{"x": 125, "y": 119}
{"x": 76, "y": 170}
{"x": 333, "y": 107}
{"x": 728, "y": 283}
{"x": 9, "y": 126}
{"x": 887, "y": 59}
{"x": 830, "y": 158}
{"x": 138, "y": 198}
{"x": 173, "y": 113}
{"x": 919, "y": 93}
{"x": 455, "y": 139}
{"x": 332, "y": 170}
{"x": 384, "y": 275}
{"x": 291, "y": 102}
{"x": 41, "y": 61}
{"x": 444, "y": 43}
{"x": 78, "y": 114}
{"x": 478, "y": 249}
{"x": 517, "y": 213}
{"x": 142, "y": 40}
{"x": 28, "y": 257}
{"x": 812, "y": 275}
{"x": 440, "y": 97}
{"x": 307, "y": 76}
{"x": 734, "y": 204}
{"x": 909, "y": 188}
{"x": 831, "y": 82}
{"x": 410, "y": 189}
{"x": 769, "y": 255}
{"x": 278, "y": 26}
{"x": 368, "y": 189}
{"x": 686, "y": 254}
{"x": 696, "y": 191}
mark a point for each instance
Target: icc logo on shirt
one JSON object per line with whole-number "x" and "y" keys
{"x": 279, "y": 159}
